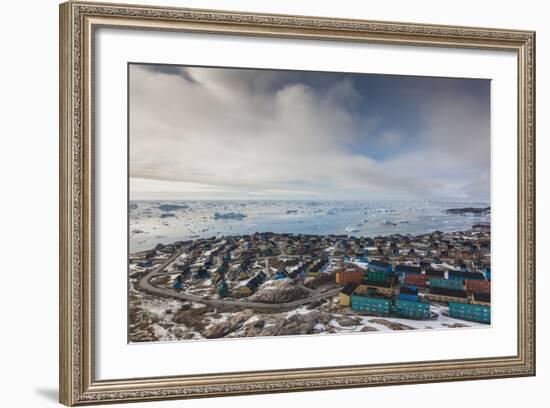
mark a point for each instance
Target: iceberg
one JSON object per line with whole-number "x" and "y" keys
{"x": 229, "y": 216}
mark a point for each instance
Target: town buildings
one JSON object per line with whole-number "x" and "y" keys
{"x": 398, "y": 275}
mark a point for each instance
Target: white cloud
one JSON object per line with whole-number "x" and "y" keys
{"x": 239, "y": 133}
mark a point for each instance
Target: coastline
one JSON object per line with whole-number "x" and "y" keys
{"x": 152, "y": 222}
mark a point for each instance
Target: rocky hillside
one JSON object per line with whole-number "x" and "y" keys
{"x": 278, "y": 292}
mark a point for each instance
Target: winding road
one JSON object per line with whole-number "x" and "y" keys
{"x": 144, "y": 284}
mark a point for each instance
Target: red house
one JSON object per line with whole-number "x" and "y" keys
{"x": 478, "y": 286}
{"x": 416, "y": 280}
{"x": 349, "y": 276}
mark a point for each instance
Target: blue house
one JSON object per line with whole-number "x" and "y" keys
{"x": 145, "y": 264}
{"x": 281, "y": 274}
{"x": 371, "y": 304}
{"x": 380, "y": 266}
{"x": 202, "y": 274}
{"x": 408, "y": 293}
{"x": 178, "y": 282}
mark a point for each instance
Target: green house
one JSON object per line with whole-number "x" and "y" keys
{"x": 369, "y": 304}
{"x": 223, "y": 289}
{"x": 411, "y": 309}
{"x": 379, "y": 276}
{"x": 470, "y": 312}
{"x": 446, "y": 283}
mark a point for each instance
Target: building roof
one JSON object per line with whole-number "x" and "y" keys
{"x": 467, "y": 275}
{"x": 482, "y": 297}
{"x": 349, "y": 288}
{"x": 419, "y": 301}
{"x": 435, "y": 272}
{"x": 448, "y": 292}
{"x": 351, "y": 270}
{"x": 380, "y": 263}
{"x": 372, "y": 295}
{"x": 408, "y": 268}
{"x": 367, "y": 282}
{"x": 408, "y": 290}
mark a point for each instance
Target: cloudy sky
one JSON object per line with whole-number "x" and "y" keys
{"x": 250, "y": 134}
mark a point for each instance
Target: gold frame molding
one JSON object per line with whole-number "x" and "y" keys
{"x": 78, "y": 22}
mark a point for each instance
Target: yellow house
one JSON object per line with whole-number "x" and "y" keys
{"x": 345, "y": 294}
{"x": 444, "y": 295}
{"x": 384, "y": 288}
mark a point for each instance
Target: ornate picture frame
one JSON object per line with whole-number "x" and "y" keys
{"x": 78, "y": 24}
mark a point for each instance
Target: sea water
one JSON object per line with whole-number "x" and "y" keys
{"x": 153, "y": 222}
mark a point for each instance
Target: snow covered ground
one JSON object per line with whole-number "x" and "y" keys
{"x": 329, "y": 318}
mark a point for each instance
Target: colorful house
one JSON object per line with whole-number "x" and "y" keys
{"x": 470, "y": 312}
{"x": 347, "y": 276}
{"x": 408, "y": 293}
{"x": 478, "y": 286}
{"x": 384, "y": 288}
{"x": 446, "y": 283}
{"x": 345, "y": 294}
{"x": 462, "y": 275}
{"x": 447, "y": 295}
{"x": 313, "y": 272}
{"x": 223, "y": 268}
{"x": 411, "y": 309}
{"x": 372, "y": 304}
{"x": 281, "y": 273}
{"x": 380, "y": 276}
{"x": 223, "y": 289}
{"x": 405, "y": 270}
{"x": 435, "y": 273}
{"x": 416, "y": 280}
{"x": 481, "y": 299}
{"x": 178, "y": 282}
{"x": 145, "y": 264}
{"x": 202, "y": 274}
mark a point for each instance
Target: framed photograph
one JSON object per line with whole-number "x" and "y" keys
{"x": 258, "y": 203}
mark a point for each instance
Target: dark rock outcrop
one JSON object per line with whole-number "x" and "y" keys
{"x": 469, "y": 210}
